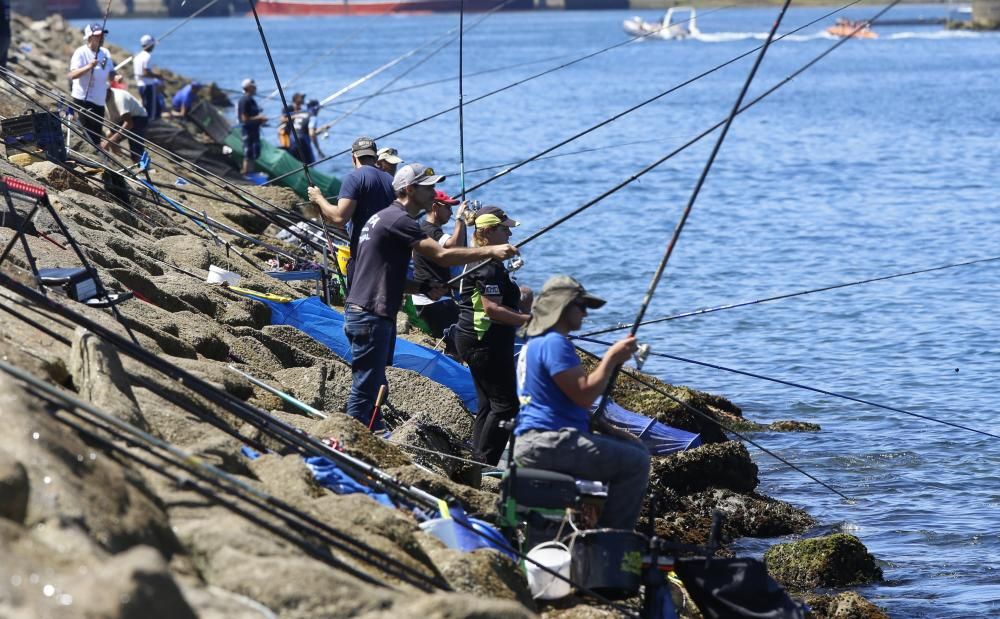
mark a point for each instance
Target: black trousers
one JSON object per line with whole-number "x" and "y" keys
{"x": 493, "y": 373}
{"x": 91, "y": 118}
{"x": 439, "y": 315}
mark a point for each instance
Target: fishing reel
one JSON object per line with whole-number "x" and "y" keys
{"x": 471, "y": 211}
{"x": 641, "y": 354}
{"x": 515, "y": 263}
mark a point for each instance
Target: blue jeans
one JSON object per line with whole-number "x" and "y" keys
{"x": 148, "y": 95}
{"x": 373, "y": 341}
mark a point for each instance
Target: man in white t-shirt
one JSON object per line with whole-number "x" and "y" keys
{"x": 89, "y": 69}
{"x": 126, "y": 114}
{"x": 146, "y": 79}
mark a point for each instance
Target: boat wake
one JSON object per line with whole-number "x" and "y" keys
{"x": 726, "y": 37}
{"x": 939, "y": 34}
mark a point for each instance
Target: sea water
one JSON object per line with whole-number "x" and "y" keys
{"x": 882, "y": 158}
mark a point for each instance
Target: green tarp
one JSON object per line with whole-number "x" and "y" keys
{"x": 276, "y": 162}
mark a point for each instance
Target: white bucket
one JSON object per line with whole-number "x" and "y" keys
{"x": 217, "y": 275}
{"x": 545, "y": 586}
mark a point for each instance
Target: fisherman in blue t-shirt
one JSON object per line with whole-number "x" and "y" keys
{"x": 385, "y": 244}
{"x": 553, "y": 426}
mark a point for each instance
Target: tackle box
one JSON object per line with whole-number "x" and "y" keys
{"x": 34, "y": 132}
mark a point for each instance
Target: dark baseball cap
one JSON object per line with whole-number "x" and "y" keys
{"x": 364, "y": 147}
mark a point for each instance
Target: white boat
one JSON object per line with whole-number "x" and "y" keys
{"x": 666, "y": 28}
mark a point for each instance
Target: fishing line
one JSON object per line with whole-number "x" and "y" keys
{"x": 171, "y": 31}
{"x": 658, "y": 275}
{"x": 461, "y": 97}
{"x": 708, "y": 310}
{"x": 801, "y": 386}
{"x": 676, "y": 151}
{"x": 494, "y": 92}
{"x": 90, "y": 80}
{"x": 634, "y": 376}
{"x": 422, "y": 61}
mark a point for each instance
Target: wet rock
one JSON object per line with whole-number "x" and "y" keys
{"x": 718, "y": 465}
{"x": 100, "y": 378}
{"x": 14, "y": 488}
{"x": 135, "y": 584}
{"x": 838, "y": 560}
{"x": 793, "y": 426}
{"x": 746, "y": 515}
{"x": 843, "y": 605}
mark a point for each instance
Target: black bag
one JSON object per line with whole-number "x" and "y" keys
{"x": 725, "y": 588}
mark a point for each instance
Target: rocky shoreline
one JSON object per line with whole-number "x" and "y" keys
{"x": 87, "y": 533}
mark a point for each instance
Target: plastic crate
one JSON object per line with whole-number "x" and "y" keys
{"x": 33, "y": 132}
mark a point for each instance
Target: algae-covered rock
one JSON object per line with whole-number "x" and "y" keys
{"x": 718, "y": 465}
{"x": 844, "y": 605}
{"x": 745, "y": 515}
{"x": 838, "y": 560}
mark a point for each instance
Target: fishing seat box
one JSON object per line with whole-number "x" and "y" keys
{"x": 34, "y": 133}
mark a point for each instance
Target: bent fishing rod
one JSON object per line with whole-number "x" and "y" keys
{"x": 675, "y": 237}
{"x": 713, "y": 420}
{"x": 166, "y": 34}
{"x": 789, "y": 295}
{"x": 287, "y": 435}
{"x": 788, "y": 383}
{"x": 226, "y": 483}
{"x": 561, "y": 220}
{"x": 491, "y": 93}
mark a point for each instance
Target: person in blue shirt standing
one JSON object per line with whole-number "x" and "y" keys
{"x": 553, "y": 428}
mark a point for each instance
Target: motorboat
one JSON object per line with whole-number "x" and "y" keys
{"x": 847, "y": 28}
{"x": 666, "y": 28}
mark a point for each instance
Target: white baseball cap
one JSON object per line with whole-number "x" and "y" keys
{"x": 146, "y": 41}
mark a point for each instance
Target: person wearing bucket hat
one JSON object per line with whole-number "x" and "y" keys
{"x": 147, "y": 80}
{"x": 366, "y": 190}
{"x": 385, "y": 244}
{"x": 89, "y": 68}
{"x": 388, "y": 160}
{"x": 490, "y": 313}
{"x": 553, "y": 427}
{"x": 441, "y": 313}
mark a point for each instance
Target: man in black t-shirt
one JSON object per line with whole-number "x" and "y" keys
{"x": 250, "y": 117}
{"x": 364, "y": 192}
{"x": 440, "y": 314}
{"x": 385, "y": 244}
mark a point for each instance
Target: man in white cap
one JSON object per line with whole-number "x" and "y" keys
{"x": 365, "y": 191}
{"x": 250, "y": 117}
{"x": 553, "y": 430}
{"x": 146, "y": 79}
{"x": 388, "y": 160}
{"x": 384, "y": 247}
{"x": 89, "y": 69}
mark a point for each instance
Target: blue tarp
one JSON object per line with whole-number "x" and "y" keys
{"x": 326, "y": 325}
{"x": 329, "y": 475}
{"x": 659, "y": 438}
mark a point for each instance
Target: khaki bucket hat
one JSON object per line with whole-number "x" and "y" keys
{"x": 558, "y": 292}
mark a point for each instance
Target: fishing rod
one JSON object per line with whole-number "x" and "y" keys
{"x": 801, "y": 386}
{"x": 658, "y": 275}
{"x": 789, "y": 295}
{"x": 711, "y": 419}
{"x": 90, "y": 79}
{"x": 302, "y": 137}
{"x": 491, "y": 93}
{"x": 171, "y": 31}
{"x": 561, "y": 220}
{"x": 227, "y": 483}
{"x": 461, "y": 97}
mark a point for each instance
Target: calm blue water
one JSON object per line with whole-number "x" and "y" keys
{"x": 882, "y": 158}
